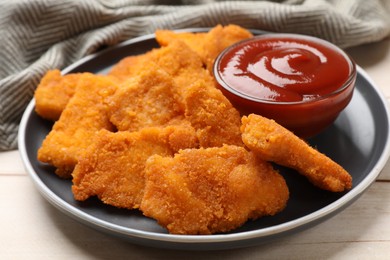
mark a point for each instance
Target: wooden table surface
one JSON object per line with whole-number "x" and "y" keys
{"x": 31, "y": 228}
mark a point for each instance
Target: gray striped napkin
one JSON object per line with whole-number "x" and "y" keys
{"x": 39, "y": 35}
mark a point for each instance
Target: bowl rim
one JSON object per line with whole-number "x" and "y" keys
{"x": 347, "y": 83}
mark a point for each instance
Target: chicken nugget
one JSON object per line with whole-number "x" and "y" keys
{"x": 205, "y": 191}
{"x": 272, "y": 142}
{"x": 183, "y": 56}
{"x": 182, "y": 64}
{"x": 130, "y": 66}
{"x": 113, "y": 166}
{"x": 216, "y": 121}
{"x": 206, "y": 45}
{"x": 195, "y": 41}
{"x": 84, "y": 115}
{"x": 54, "y": 92}
{"x": 149, "y": 99}
{"x": 219, "y": 38}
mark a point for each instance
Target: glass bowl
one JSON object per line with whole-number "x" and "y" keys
{"x": 235, "y": 72}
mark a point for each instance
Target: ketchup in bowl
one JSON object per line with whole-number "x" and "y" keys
{"x": 301, "y": 82}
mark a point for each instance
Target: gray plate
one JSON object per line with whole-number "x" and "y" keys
{"x": 358, "y": 140}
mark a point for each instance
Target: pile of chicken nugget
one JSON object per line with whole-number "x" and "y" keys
{"x": 157, "y": 135}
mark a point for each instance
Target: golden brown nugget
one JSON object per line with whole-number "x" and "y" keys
{"x": 194, "y": 40}
{"x": 130, "y": 66}
{"x": 149, "y": 99}
{"x": 219, "y": 38}
{"x": 205, "y": 191}
{"x": 216, "y": 121}
{"x": 84, "y": 115}
{"x": 272, "y": 142}
{"x": 182, "y": 64}
{"x": 206, "y": 45}
{"x": 113, "y": 166}
{"x": 158, "y": 98}
{"x": 53, "y": 93}
{"x": 183, "y": 57}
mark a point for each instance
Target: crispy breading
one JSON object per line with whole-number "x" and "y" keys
{"x": 177, "y": 59}
{"x": 54, "y": 92}
{"x": 184, "y": 65}
{"x": 186, "y": 91}
{"x": 130, "y": 66}
{"x": 149, "y": 99}
{"x": 156, "y": 134}
{"x": 206, "y": 45}
{"x": 113, "y": 166}
{"x": 205, "y": 191}
{"x": 216, "y": 121}
{"x": 272, "y": 142}
{"x": 195, "y": 40}
{"x": 219, "y": 38}
{"x": 84, "y": 115}
{"x": 183, "y": 56}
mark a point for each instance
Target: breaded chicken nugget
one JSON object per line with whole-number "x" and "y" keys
{"x": 183, "y": 56}
{"x": 273, "y": 142}
{"x": 219, "y": 38}
{"x": 195, "y": 41}
{"x": 216, "y": 121}
{"x": 206, "y": 45}
{"x": 84, "y": 115}
{"x": 157, "y": 98}
{"x": 113, "y": 166}
{"x": 182, "y": 64}
{"x": 54, "y": 92}
{"x": 205, "y": 191}
{"x": 150, "y": 99}
{"x": 130, "y": 66}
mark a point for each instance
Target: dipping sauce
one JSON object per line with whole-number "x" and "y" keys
{"x": 301, "y": 82}
{"x": 283, "y": 69}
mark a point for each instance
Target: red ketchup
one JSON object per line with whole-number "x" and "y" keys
{"x": 284, "y": 70}
{"x": 300, "y": 81}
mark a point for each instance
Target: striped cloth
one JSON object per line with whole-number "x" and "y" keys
{"x": 39, "y": 35}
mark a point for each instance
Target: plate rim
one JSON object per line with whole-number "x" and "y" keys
{"x": 128, "y": 232}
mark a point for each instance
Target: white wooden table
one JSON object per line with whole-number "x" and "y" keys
{"x": 31, "y": 228}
